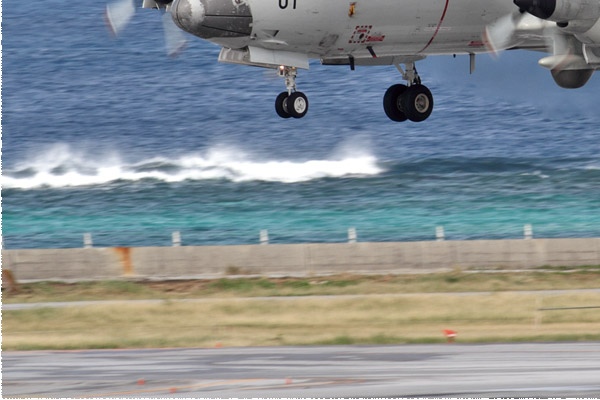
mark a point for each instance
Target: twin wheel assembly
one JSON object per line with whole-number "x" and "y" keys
{"x": 402, "y": 102}
{"x": 413, "y": 102}
{"x": 291, "y": 105}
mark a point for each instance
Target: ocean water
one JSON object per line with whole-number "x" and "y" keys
{"x": 113, "y": 138}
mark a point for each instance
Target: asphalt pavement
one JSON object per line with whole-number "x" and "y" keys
{"x": 448, "y": 370}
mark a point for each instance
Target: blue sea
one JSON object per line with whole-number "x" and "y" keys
{"x": 112, "y": 137}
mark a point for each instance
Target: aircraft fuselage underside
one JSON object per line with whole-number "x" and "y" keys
{"x": 286, "y": 34}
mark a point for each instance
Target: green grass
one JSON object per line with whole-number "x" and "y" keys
{"x": 391, "y": 309}
{"x": 387, "y": 319}
{"x": 455, "y": 281}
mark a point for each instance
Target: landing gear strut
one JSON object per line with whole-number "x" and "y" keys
{"x": 290, "y": 103}
{"x": 413, "y": 101}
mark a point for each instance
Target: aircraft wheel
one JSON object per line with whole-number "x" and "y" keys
{"x": 417, "y": 103}
{"x": 392, "y": 103}
{"x": 281, "y": 105}
{"x": 297, "y": 105}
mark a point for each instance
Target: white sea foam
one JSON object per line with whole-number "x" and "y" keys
{"x": 539, "y": 174}
{"x": 62, "y": 166}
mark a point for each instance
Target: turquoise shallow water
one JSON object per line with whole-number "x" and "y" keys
{"x": 397, "y": 204}
{"x": 112, "y": 138}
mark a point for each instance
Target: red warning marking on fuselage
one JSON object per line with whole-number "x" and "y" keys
{"x": 476, "y": 43}
{"x": 376, "y": 37}
{"x": 361, "y": 34}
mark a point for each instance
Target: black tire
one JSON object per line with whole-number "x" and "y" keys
{"x": 281, "y": 106}
{"x": 392, "y": 103}
{"x": 417, "y": 103}
{"x": 297, "y": 105}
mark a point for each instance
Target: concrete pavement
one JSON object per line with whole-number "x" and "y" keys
{"x": 450, "y": 370}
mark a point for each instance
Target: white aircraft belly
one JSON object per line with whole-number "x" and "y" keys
{"x": 286, "y": 34}
{"x": 390, "y": 27}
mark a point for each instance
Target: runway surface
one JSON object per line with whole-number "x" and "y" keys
{"x": 495, "y": 370}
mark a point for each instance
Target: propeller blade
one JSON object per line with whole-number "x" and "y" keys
{"x": 499, "y": 35}
{"x": 175, "y": 40}
{"x": 118, "y": 14}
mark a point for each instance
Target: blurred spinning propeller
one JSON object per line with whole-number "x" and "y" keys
{"x": 502, "y": 35}
{"x": 119, "y": 12}
{"x": 546, "y": 23}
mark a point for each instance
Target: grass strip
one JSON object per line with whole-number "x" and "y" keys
{"x": 413, "y": 318}
{"x": 455, "y": 281}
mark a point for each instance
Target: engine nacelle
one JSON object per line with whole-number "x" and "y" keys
{"x": 562, "y": 11}
{"x": 583, "y": 32}
{"x": 577, "y": 17}
{"x": 211, "y": 19}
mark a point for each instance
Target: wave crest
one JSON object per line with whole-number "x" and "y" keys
{"x": 61, "y": 166}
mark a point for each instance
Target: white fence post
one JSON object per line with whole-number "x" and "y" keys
{"x": 87, "y": 240}
{"x": 176, "y": 239}
{"x": 528, "y": 231}
{"x": 264, "y": 236}
{"x": 352, "y": 235}
{"x": 440, "y": 236}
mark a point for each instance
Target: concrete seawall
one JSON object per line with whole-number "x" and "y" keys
{"x": 296, "y": 259}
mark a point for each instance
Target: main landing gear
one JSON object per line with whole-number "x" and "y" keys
{"x": 290, "y": 103}
{"x": 413, "y": 101}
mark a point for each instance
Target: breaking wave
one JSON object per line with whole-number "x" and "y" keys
{"x": 61, "y": 166}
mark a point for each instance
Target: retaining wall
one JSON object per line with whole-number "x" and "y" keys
{"x": 296, "y": 259}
